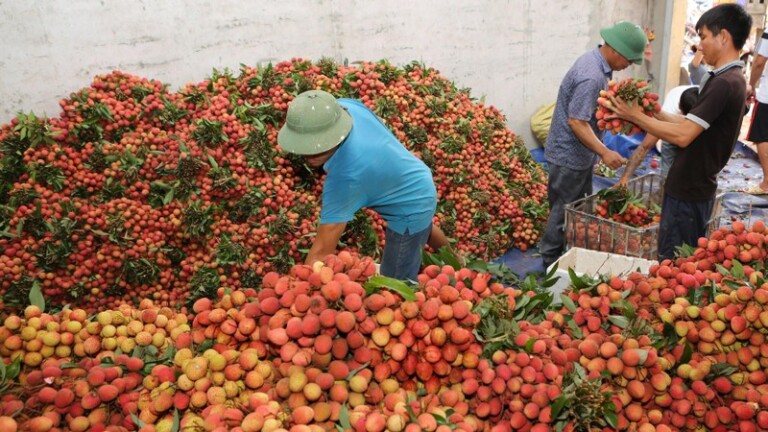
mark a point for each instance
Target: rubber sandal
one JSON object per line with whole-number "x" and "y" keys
{"x": 755, "y": 190}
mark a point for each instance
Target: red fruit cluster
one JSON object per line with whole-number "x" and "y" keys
{"x": 632, "y": 215}
{"x": 135, "y": 191}
{"x": 631, "y": 90}
{"x": 680, "y": 348}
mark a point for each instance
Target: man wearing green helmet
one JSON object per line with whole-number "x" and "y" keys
{"x": 574, "y": 142}
{"x": 367, "y": 167}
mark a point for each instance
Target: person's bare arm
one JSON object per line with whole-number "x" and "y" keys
{"x": 586, "y": 135}
{"x": 758, "y": 65}
{"x": 669, "y": 117}
{"x": 325, "y": 242}
{"x": 437, "y": 238}
{"x": 680, "y": 134}
{"x": 637, "y": 157}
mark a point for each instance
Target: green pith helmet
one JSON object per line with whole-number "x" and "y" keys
{"x": 627, "y": 39}
{"x": 315, "y": 123}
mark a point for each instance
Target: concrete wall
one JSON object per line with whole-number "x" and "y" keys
{"x": 512, "y": 52}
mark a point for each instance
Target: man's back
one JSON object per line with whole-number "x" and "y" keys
{"x": 577, "y": 98}
{"x": 373, "y": 169}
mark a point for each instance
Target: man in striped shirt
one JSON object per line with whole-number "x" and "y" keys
{"x": 574, "y": 143}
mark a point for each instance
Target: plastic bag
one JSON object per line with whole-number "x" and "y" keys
{"x": 540, "y": 122}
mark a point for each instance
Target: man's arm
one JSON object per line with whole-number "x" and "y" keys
{"x": 637, "y": 156}
{"x": 325, "y": 243}
{"x": 669, "y": 117}
{"x": 586, "y": 135}
{"x": 437, "y": 238}
{"x": 758, "y": 65}
{"x": 680, "y": 134}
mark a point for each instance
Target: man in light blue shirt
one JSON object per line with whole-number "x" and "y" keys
{"x": 367, "y": 167}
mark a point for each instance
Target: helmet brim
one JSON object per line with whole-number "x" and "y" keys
{"x": 312, "y": 143}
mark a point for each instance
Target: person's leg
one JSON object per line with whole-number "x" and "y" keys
{"x": 762, "y": 156}
{"x": 402, "y": 254}
{"x": 682, "y": 222}
{"x": 758, "y": 134}
{"x": 565, "y": 186}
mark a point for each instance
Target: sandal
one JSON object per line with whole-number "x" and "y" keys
{"x": 755, "y": 190}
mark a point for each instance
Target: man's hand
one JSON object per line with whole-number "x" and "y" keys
{"x": 612, "y": 159}
{"x": 750, "y": 93}
{"x": 325, "y": 242}
{"x": 623, "y": 110}
{"x": 622, "y": 183}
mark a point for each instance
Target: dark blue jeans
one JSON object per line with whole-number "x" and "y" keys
{"x": 565, "y": 186}
{"x": 682, "y": 222}
{"x": 402, "y": 254}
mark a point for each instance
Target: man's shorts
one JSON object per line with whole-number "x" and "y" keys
{"x": 758, "y": 129}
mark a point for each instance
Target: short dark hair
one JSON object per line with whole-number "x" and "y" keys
{"x": 731, "y": 17}
{"x": 688, "y": 99}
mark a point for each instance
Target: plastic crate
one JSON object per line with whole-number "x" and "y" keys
{"x": 584, "y": 229}
{"x": 594, "y": 263}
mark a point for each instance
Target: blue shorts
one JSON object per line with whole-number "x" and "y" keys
{"x": 402, "y": 254}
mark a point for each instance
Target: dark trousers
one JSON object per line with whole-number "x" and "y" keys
{"x": 682, "y": 222}
{"x": 565, "y": 186}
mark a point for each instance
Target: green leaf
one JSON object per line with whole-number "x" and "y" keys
{"x": 558, "y": 406}
{"x": 723, "y": 271}
{"x": 36, "y": 296}
{"x": 449, "y": 258}
{"x": 695, "y": 295}
{"x": 440, "y": 419}
{"x": 69, "y": 365}
{"x": 378, "y": 282}
{"x": 737, "y": 270}
{"x": 13, "y": 369}
{"x": 206, "y": 345}
{"x": 529, "y": 345}
{"x": 176, "y": 421}
{"x": 137, "y": 421}
{"x": 576, "y": 281}
{"x": 354, "y": 372}
{"x": 612, "y": 419}
{"x": 687, "y": 353}
{"x": 568, "y": 303}
{"x": 212, "y": 161}
{"x": 619, "y": 321}
{"x": 344, "y": 418}
{"x": 575, "y": 329}
{"x": 626, "y": 294}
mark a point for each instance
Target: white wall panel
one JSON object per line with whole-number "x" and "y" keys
{"x": 512, "y": 52}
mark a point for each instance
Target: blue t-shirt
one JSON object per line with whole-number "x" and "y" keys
{"x": 577, "y": 98}
{"x": 373, "y": 169}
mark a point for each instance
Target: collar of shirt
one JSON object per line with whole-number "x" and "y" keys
{"x": 718, "y": 71}
{"x": 725, "y": 67}
{"x": 603, "y": 63}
